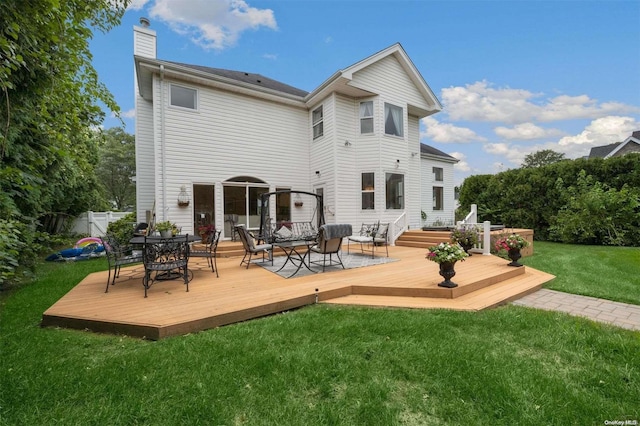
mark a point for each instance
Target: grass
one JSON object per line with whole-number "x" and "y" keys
{"x": 607, "y": 272}
{"x": 320, "y": 365}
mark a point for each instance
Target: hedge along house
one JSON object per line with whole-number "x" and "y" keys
{"x": 227, "y": 136}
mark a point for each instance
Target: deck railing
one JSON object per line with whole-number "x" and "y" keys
{"x": 484, "y": 245}
{"x": 397, "y": 228}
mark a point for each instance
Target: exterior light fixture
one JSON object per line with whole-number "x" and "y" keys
{"x": 183, "y": 197}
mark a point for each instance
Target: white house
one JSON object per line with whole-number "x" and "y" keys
{"x": 228, "y": 136}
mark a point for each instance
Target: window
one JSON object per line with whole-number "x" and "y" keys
{"x": 316, "y": 118}
{"x": 366, "y": 117}
{"x": 395, "y": 191}
{"x": 438, "y": 198}
{"x": 438, "y": 173}
{"x": 393, "y": 120}
{"x": 184, "y": 97}
{"x": 368, "y": 191}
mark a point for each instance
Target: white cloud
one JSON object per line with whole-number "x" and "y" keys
{"x": 212, "y": 24}
{"x": 462, "y": 165}
{"x": 271, "y": 56}
{"x": 137, "y": 4}
{"x": 526, "y": 131}
{"x": 128, "y": 114}
{"x": 481, "y": 102}
{"x": 448, "y": 133}
{"x": 602, "y": 131}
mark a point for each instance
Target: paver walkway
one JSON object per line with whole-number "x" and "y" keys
{"x": 623, "y": 315}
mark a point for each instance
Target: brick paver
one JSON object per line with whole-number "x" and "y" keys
{"x": 622, "y": 315}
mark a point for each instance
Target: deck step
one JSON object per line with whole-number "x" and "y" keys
{"x": 487, "y": 297}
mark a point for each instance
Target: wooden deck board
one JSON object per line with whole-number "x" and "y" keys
{"x": 240, "y": 294}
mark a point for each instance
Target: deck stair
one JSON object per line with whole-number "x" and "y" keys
{"x": 423, "y": 239}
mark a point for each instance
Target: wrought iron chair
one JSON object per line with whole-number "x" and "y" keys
{"x": 371, "y": 235}
{"x": 118, "y": 255}
{"x": 168, "y": 258}
{"x": 250, "y": 247}
{"x": 329, "y": 243}
{"x": 210, "y": 251}
{"x": 232, "y": 219}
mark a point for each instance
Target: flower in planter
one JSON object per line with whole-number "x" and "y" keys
{"x": 206, "y": 230}
{"x": 513, "y": 241}
{"x": 466, "y": 235}
{"x": 446, "y": 252}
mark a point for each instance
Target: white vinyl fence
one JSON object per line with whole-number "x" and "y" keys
{"x": 95, "y": 224}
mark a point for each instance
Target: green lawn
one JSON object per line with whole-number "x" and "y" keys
{"x": 321, "y": 365}
{"x": 608, "y": 272}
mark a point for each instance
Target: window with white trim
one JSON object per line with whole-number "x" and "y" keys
{"x": 394, "y": 191}
{"x": 438, "y": 198}
{"x": 183, "y": 97}
{"x": 438, "y": 174}
{"x": 366, "y": 117}
{"x": 393, "y": 120}
{"x": 368, "y": 191}
{"x": 317, "y": 120}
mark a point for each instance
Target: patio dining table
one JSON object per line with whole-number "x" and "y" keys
{"x": 294, "y": 255}
{"x": 166, "y": 275}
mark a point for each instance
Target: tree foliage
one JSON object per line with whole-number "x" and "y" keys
{"x": 542, "y": 158}
{"x": 49, "y": 102}
{"x": 534, "y": 198}
{"x": 117, "y": 167}
{"x": 597, "y": 214}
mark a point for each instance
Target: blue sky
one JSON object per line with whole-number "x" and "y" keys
{"x": 514, "y": 77}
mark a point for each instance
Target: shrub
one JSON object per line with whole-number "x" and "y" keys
{"x": 123, "y": 229}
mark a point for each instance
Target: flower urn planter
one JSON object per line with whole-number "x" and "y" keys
{"x": 166, "y": 234}
{"x": 467, "y": 247}
{"x": 447, "y": 272}
{"x": 514, "y": 255}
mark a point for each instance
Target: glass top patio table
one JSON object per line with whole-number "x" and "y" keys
{"x": 294, "y": 256}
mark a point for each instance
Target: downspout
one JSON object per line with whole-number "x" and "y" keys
{"x": 162, "y": 146}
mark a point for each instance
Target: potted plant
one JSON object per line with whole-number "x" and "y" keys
{"x": 446, "y": 255}
{"x": 466, "y": 235}
{"x": 512, "y": 244}
{"x": 167, "y": 228}
{"x": 205, "y": 230}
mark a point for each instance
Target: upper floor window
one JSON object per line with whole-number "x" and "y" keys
{"x": 316, "y": 119}
{"x": 393, "y": 120}
{"x": 184, "y": 97}
{"x": 366, "y": 117}
{"x": 395, "y": 191}
{"x": 368, "y": 191}
{"x": 438, "y": 173}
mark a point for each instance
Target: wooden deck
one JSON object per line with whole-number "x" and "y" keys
{"x": 240, "y": 294}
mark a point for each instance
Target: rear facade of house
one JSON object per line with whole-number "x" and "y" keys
{"x": 221, "y": 138}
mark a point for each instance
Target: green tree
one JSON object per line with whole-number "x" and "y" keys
{"x": 117, "y": 167}
{"x": 597, "y": 214}
{"x": 542, "y": 158}
{"x": 50, "y": 100}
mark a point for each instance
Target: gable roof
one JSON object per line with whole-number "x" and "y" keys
{"x": 430, "y": 151}
{"x": 633, "y": 139}
{"x": 602, "y": 151}
{"x": 257, "y": 80}
{"x": 608, "y": 151}
{"x": 339, "y": 81}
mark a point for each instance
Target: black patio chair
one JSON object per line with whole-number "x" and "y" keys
{"x": 232, "y": 219}
{"x": 210, "y": 251}
{"x": 167, "y": 259}
{"x": 118, "y": 255}
{"x": 250, "y": 247}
